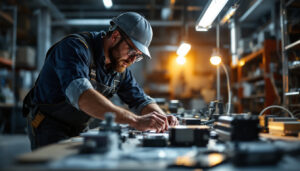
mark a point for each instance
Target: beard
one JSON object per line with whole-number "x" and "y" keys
{"x": 117, "y": 64}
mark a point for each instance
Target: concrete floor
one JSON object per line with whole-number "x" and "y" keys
{"x": 12, "y": 146}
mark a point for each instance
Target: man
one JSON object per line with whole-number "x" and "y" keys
{"x": 81, "y": 72}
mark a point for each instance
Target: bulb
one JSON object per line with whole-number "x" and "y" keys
{"x": 107, "y": 3}
{"x": 183, "y": 49}
{"x": 180, "y": 60}
{"x": 215, "y": 60}
{"x": 242, "y": 63}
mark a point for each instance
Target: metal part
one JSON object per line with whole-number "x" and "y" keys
{"x": 189, "y": 135}
{"x": 284, "y": 128}
{"x": 43, "y": 36}
{"x": 285, "y": 78}
{"x": 191, "y": 121}
{"x": 55, "y": 12}
{"x": 237, "y": 128}
{"x": 106, "y": 140}
{"x": 258, "y": 153}
{"x": 155, "y": 141}
{"x": 105, "y": 22}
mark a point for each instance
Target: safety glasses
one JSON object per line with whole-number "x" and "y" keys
{"x": 132, "y": 53}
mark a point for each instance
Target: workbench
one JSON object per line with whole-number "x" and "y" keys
{"x": 130, "y": 156}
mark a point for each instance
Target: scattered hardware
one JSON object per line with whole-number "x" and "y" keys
{"x": 191, "y": 121}
{"x": 284, "y": 127}
{"x": 155, "y": 141}
{"x": 107, "y": 139}
{"x": 255, "y": 153}
{"x": 237, "y": 128}
{"x": 206, "y": 159}
{"x": 263, "y": 122}
{"x": 189, "y": 135}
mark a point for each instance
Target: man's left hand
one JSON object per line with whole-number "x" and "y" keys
{"x": 172, "y": 120}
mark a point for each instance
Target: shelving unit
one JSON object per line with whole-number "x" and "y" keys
{"x": 11, "y": 22}
{"x": 5, "y": 63}
{"x": 290, "y": 46}
{"x": 253, "y": 83}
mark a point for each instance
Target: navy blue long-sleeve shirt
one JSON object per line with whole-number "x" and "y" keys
{"x": 65, "y": 75}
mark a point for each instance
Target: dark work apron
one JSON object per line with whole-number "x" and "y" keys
{"x": 63, "y": 120}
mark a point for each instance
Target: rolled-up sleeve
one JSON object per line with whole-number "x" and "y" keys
{"x": 132, "y": 94}
{"x": 76, "y": 88}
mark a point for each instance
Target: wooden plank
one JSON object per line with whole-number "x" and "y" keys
{"x": 252, "y": 55}
{"x": 278, "y": 137}
{"x": 5, "y": 62}
{"x": 50, "y": 152}
{"x": 7, "y": 17}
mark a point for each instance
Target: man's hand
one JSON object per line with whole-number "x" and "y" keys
{"x": 152, "y": 121}
{"x": 172, "y": 120}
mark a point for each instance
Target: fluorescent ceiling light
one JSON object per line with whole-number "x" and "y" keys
{"x": 210, "y": 13}
{"x": 183, "y": 49}
{"x": 107, "y": 3}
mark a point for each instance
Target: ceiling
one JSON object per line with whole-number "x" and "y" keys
{"x": 172, "y": 20}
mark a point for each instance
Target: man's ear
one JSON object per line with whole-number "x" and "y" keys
{"x": 115, "y": 36}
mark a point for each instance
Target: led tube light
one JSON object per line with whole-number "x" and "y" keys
{"x": 209, "y": 15}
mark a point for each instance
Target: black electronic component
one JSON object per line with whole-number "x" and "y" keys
{"x": 174, "y": 105}
{"x": 255, "y": 153}
{"x": 191, "y": 121}
{"x": 263, "y": 122}
{"x": 189, "y": 135}
{"x": 107, "y": 139}
{"x": 131, "y": 134}
{"x": 155, "y": 141}
{"x": 237, "y": 127}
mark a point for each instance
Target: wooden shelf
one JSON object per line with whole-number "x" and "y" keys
{"x": 255, "y": 96}
{"x": 294, "y": 44}
{"x": 264, "y": 55}
{"x": 7, "y": 63}
{"x": 252, "y": 56}
{"x": 294, "y": 67}
{"x": 6, "y": 17}
{"x": 293, "y": 93}
{"x": 294, "y": 105}
{"x": 253, "y": 78}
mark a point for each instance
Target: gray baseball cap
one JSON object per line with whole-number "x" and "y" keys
{"x": 137, "y": 28}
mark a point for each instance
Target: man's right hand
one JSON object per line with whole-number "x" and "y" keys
{"x": 152, "y": 121}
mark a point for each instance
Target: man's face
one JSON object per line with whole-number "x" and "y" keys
{"x": 123, "y": 54}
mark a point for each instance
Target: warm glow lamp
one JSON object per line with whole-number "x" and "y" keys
{"x": 181, "y": 60}
{"x": 216, "y": 60}
{"x": 183, "y": 49}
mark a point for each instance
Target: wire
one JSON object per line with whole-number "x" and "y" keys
{"x": 276, "y": 106}
{"x": 228, "y": 89}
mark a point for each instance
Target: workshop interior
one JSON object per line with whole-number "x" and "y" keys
{"x": 228, "y": 71}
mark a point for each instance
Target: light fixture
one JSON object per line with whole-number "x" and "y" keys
{"x": 183, "y": 49}
{"x": 210, "y": 13}
{"x": 107, "y": 3}
{"x": 229, "y": 14}
{"x": 181, "y": 60}
{"x": 242, "y": 63}
{"x": 215, "y": 59}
